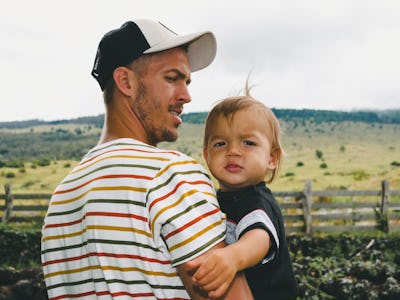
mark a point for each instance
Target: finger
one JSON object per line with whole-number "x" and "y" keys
{"x": 211, "y": 285}
{"x": 219, "y": 291}
{"x": 206, "y": 268}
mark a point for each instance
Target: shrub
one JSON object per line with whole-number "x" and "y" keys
{"x": 359, "y": 175}
{"x": 395, "y": 164}
{"x": 319, "y": 154}
{"x": 323, "y": 166}
{"x": 10, "y": 175}
{"x": 288, "y": 174}
{"x": 13, "y": 164}
{"x": 43, "y": 162}
{"x": 299, "y": 164}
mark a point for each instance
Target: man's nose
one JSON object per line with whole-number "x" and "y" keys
{"x": 183, "y": 94}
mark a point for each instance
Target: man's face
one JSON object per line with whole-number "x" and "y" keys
{"x": 161, "y": 94}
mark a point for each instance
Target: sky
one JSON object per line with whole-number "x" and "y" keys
{"x": 312, "y": 54}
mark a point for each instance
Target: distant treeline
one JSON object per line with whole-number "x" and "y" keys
{"x": 317, "y": 116}
{"x": 96, "y": 121}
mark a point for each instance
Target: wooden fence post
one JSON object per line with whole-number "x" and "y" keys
{"x": 384, "y": 216}
{"x": 307, "y": 203}
{"x": 9, "y": 204}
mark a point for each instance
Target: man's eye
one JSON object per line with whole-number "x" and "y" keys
{"x": 171, "y": 78}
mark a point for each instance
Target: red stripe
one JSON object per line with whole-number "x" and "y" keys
{"x": 73, "y": 295}
{"x": 191, "y": 223}
{"x": 104, "y": 214}
{"x": 116, "y": 294}
{"x": 103, "y": 177}
{"x": 130, "y": 256}
{"x": 175, "y": 189}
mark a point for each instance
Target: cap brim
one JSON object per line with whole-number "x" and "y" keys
{"x": 202, "y": 48}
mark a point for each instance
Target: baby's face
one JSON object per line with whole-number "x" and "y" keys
{"x": 238, "y": 153}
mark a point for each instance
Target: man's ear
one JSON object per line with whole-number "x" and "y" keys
{"x": 123, "y": 78}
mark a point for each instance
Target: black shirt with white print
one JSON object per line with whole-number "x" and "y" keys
{"x": 255, "y": 207}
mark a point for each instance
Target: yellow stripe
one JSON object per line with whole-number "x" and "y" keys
{"x": 93, "y": 227}
{"x": 117, "y": 228}
{"x": 55, "y": 237}
{"x": 107, "y": 188}
{"x": 210, "y": 194}
{"x": 187, "y": 241}
{"x": 129, "y": 269}
{"x": 171, "y": 205}
{"x": 118, "y": 156}
{"x": 175, "y": 164}
{"x": 71, "y": 271}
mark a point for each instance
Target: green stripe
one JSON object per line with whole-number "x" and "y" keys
{"x": 129, "y": 243}
{"x": 113, "y": 201}
{"x": 186, "y": 211}
{"x": 112, "y": 166}
{"x": 174, "y": 175}
{"x": 111, "y": 281}
{"x": 193, "y": 253}
{"x": 102, "y": 241}
{"x": 64, "y": 248}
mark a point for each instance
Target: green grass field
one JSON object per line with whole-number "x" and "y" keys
{"x": 357, "y": 156}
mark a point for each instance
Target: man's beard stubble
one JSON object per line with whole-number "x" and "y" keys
{"x": 155, "y": 135}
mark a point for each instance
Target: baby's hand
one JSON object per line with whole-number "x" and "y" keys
{"x": 216, "y": 272}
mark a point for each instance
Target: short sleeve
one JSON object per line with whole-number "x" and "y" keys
{"x": 184, "y": 213}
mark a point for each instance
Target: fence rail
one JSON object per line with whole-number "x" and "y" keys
{"x": 305, "y": 211}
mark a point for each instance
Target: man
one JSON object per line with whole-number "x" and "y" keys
{"x": 129, "y": 217}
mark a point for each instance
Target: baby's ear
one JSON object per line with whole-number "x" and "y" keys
{"x": 273, "y": 159}
{"x": 205, "y": 154}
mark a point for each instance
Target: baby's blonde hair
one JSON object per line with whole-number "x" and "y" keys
{"x": 228, "y": 107}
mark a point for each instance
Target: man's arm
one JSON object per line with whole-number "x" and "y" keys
{"x": 239, "y": 288}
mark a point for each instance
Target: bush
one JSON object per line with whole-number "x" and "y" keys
{"x": 299, "y": 164}
{"x": 19, "y": 246}
{"x": 288, "y": 174}
{"x": 319, "y": 154}
{"x": 43, "y": 162}
{"x": 10, "y": 175}
{"x": 359, "y": 175}
{"x": 395, "y": 164}
{"x": 323, "y": 166}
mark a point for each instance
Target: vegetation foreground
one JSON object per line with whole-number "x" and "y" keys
{"x": 340, "y": 266}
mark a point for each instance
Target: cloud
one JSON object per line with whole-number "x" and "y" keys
{"x": 339, "y": 54}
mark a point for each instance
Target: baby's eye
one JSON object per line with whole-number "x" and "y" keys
{"x": 219, "y": 144}
{"x": 249, "y": 143}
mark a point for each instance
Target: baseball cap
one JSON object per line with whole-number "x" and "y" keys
{"x": 121, "y": 46}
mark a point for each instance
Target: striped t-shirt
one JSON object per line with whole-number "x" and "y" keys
{"x": 123, "y": 219}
